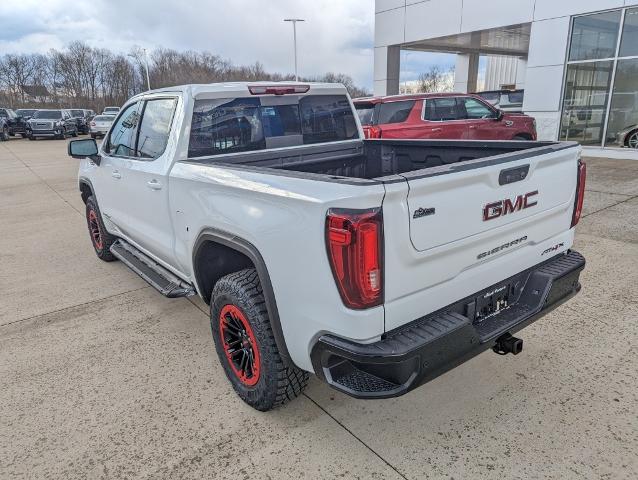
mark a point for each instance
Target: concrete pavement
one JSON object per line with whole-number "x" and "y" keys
{"x": 104, "y": 378}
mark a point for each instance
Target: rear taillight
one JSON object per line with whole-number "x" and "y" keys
{"x": 354, "y": 240}
{"x": 371, "y": 131}
{"x": 277, "y": 89}
{"x": 580, "y": 192}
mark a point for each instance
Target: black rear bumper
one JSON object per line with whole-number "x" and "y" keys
{"x": 429, "y": 346}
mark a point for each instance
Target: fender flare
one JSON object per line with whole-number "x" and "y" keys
{"x": 245, "y": 247}
{"x": 87, "y": 182}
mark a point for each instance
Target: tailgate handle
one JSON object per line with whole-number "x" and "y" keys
{"x": 512, "y": 175}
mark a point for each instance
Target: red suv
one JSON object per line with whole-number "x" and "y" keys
{"x": 441, "y": 116}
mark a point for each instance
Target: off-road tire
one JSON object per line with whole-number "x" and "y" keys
{"x": 93, "y": 220}
{"x": 277, "y": 382}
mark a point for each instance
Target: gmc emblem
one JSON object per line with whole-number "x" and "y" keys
{"x": 504, "y": 207}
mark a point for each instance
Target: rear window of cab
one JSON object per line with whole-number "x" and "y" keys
{"x": 231, "y": 125}
{"x": 384, "y": 113}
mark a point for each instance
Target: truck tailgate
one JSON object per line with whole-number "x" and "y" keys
{"x": 494, "y": 197}
{"x": 473, "y": 226}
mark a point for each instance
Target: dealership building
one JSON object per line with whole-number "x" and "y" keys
{"x": 577, "y": 60}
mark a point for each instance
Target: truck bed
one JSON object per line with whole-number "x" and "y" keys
{"x": 375, "y": 159}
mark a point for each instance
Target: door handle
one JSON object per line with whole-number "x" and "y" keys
{"x": 154, "y": 185}
{"x": 117, "y": 175}
{"x": 472, "y": 126}
{"x": 438, "y": 129}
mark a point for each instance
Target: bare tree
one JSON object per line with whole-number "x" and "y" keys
{"x": 436, "y": 80}
{"x": 83, "y": 76}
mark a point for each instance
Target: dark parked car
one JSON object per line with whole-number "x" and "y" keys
{"x": 13, "y": 122}
{"x": 52, "y": 123}
{"x": 26, "y": 113}
{"x": 440, "y": 116}
{"x": 4, "y": 130}
{"x": 82, "y": 118}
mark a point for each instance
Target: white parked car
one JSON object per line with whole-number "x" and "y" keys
{"x": 111, "y": 110}
{"x": 375, "y": 264}
{"x": 100, "y": 125}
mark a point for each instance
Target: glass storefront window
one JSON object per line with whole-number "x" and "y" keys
{"x": 629, "y": 41}
{"x": 595, "y": 112}
{"x": 595, "y": 36}
{"x": 623, "y": 116}
{"x": 585, "y": 102}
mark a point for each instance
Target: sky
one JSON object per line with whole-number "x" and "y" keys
{"x": 337, "y": 35}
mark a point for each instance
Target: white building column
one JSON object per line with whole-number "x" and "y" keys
{"x": 387, "y": 65}
{"x": 521, "y": 72}
{"x": 466, "y": 72}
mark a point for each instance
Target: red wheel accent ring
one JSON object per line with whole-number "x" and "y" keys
{"x": 240, "y": 345}
{"x": 94, "y": 228}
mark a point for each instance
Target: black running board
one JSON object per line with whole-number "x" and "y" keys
{"x": 157, "y": 276}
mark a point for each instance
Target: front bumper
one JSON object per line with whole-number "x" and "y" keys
{"x": 422, "y": 350}
{"x": 45, "y": 133}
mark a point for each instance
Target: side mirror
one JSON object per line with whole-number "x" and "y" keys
{"x": 86, "y": 148}
{"x": 499, "y": 115}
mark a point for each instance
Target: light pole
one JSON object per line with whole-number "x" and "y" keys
{"x": 148, "y": 79}
{"x": 294, "y": 33}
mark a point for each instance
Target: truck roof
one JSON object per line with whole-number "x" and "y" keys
{"x": 412, "y": 96}
{"x": 241, "y": 88}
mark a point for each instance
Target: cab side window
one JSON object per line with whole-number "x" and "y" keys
{"x": 121, "y": 141}
{"x": 474, "y": 110}
{"x": 155, "y": 127}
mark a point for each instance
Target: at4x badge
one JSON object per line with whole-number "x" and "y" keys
{"x": 505, "y": 207}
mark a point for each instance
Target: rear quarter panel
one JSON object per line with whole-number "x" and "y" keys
{"x": 283, "y": 216}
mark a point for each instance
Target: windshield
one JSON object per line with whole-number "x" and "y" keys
{"x": 104, "y": 118}
{"x": 365, "y": 112}
{"x": 77, "y": 113}
{"x": 48, "y": 114}
{"x": 492, "y": 97}
{"x": 112, "y": 109}
{"x": 25, "y": 113}
{"x": 515, "y": 97}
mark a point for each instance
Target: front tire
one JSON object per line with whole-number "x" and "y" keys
{"x": 100, "y": 238}
{"x": 632, "y": 139}
{"x": 246, "y": 345}
{"x": 4, "y": 134}
{"x": 75, "y": 133}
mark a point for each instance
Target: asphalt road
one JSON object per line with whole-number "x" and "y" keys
{"x": 101, "y": 377}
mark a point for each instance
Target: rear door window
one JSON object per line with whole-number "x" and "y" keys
{"x": 155, "y": 127}
{"x": 395, "y": 112}
{"x": 233, "y": 125}
{"x": 440, "y": 109}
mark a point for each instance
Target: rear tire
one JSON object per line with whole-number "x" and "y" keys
{"x": 632, "y": 139}
{"x": 100, "y": 238}
{"x": 243, "y": 337}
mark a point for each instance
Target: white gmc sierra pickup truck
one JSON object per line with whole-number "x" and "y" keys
{"x": 376, "y": 264}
